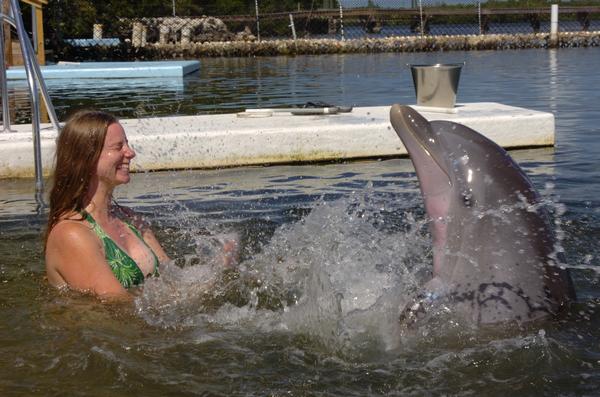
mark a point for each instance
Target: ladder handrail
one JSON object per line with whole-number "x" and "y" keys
{"x": 3, "y": 82}
{"x": 36, "y": 84}
{"x": 37, "y": 71}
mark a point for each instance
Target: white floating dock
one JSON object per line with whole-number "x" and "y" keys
{"x": 110, "y": 70}
{"x": 211, "y": 141}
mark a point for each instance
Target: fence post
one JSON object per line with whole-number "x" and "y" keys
{"x": 293, "y": 26}
{"x": 293, "y": 32}
{"x": 257, "y": 20}
{"x": 479, "y": 16}
{"x": 341, "y": 20}
{"x": 421, "y": 17}
{"x": 554, "y": 25}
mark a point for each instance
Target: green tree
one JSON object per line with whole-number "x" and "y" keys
{"x": 69, "y": 18}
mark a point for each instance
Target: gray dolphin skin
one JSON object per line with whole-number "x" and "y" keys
{"x": 494, "y": 259}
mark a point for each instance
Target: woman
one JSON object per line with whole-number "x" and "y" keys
{"x": 92, "y": 244}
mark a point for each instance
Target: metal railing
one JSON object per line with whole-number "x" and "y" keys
{"x": 35, "y": 83}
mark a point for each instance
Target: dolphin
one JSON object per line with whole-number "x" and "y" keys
{"x": 494, "y": 257}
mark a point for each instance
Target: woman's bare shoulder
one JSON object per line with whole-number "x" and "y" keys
{"x": 68, "y": 242}
{"x": 75, "y": 257}
{"x": 70, "y": 229}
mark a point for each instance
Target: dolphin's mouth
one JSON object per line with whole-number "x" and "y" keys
{"x": 422, "y": 144}
{"x": 434, "y": 179}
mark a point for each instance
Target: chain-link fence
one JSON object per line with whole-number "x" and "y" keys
{"x": 342, "y": 20}
{"x": 461, "y": 17}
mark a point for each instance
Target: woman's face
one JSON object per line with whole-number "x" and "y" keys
{"x": 116, "y": 155}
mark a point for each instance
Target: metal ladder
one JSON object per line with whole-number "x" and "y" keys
{"x": 35, "y": 82}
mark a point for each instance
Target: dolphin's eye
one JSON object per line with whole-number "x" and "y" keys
{"x": 467, "y": 198}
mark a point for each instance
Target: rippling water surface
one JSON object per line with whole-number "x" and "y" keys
{"x": 328, "y": 254}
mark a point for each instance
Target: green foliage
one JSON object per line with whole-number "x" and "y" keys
{"x": 59, "y": 17}
{"x": 75, "y": 18}
{"x": 228, "y": 7}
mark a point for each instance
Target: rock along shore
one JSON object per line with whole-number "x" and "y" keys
{"x": 369, "y": 45}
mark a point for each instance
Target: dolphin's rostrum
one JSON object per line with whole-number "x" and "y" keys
{"x": 494, "y": 258}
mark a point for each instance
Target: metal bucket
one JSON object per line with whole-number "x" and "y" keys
{"x": 436, "y": 85}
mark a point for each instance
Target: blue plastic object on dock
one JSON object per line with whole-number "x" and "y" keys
{"x": 106, "y": 70}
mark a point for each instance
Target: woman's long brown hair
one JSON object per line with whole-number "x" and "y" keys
{"x": 78, "y": 148}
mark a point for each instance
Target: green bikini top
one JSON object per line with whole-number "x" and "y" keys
{"x": 122, "y": 265}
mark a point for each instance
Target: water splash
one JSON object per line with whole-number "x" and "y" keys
{"x": 340, "y": 275}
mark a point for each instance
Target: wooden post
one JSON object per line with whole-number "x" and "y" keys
{"x": 39, "y": 19}
{"x": 8, "y": 54}
{"x": 37, "y": 25}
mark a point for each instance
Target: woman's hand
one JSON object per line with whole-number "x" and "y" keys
{"x": 231, "y": 249}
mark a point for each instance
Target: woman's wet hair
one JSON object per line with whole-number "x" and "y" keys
{"x": 78, "y": 149}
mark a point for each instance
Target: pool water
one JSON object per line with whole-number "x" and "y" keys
{"x": 329, "y": 252}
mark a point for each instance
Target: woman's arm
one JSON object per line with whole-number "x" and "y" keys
{"x": 75, "y": 256}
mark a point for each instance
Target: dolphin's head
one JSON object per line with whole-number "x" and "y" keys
{"x": 457, "y": 165}
{"x": 461, "y": 174}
